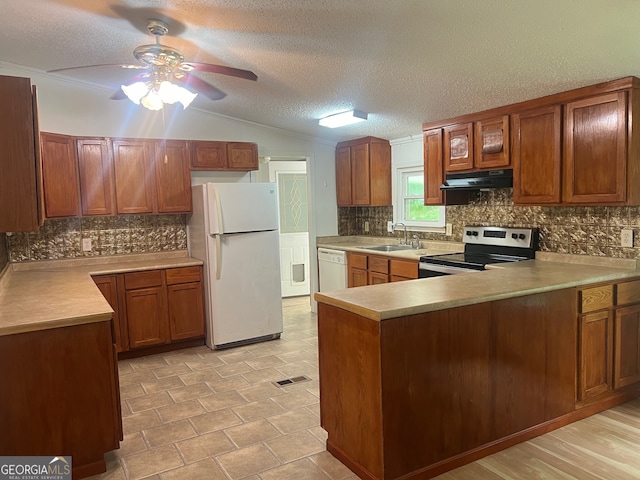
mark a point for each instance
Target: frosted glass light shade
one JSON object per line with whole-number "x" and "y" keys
{"x": 143, "y": 93}
{"x": 344, "y": 118}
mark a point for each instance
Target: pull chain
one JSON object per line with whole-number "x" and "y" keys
{"x": 164, "y": 129}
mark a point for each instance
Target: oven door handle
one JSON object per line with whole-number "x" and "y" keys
{"x": 445, "y": 269}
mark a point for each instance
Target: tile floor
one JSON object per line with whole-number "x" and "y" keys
{"x": 201, "y": 414}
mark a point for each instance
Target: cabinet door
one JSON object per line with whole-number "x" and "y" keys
{"x": 433, "y": 174}
{"x": 376, "y": 277}
{"x": 173, "y": 180}
{"x": 186, "y": 311}
{"x": 360, "y": 175}
{"x": 627, "y": 346}
{"x": 134, "y": 176}
{"x": 492, "y": 143}
{"x": 408, "y": 269}
{"x": 95, "y": 168}
{"x": 19, "y": 194}
{"x": 208, "y": 155}
{"x": 379, "y": 173}
{"x": 343, "y": 176}
{"x": 595, "y": 155}
{"x": 108, "y": 286}
{"x": 60, "y": 176}
{"x": 146, "y": 317}
{"x": 458, "y": 147}
{"x": 595, "y": 354}
{"x": 242, "y": 156}
{"x": 536, "y": 156}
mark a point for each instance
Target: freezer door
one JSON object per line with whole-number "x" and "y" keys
{"x": 246, "y": 301}
{"x": 242, "y": 207}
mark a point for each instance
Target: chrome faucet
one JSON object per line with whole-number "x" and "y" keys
{"x": 401, "y": 242}
{"x": 415, "y": 242}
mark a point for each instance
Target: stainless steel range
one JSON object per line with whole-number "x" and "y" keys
{"x": 483, "y": 246}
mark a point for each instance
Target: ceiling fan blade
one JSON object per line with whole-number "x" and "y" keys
{"x": 211, "y": 68}
{"x": 102, "y": 65}
{"x": 200, "y": 86}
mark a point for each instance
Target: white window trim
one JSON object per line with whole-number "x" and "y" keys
{"x": 398, "y": 204}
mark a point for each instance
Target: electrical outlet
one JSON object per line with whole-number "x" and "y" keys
{"x": 626, "y": 237}
{"x": 448, "y": 229}
{"x": 86, "y": 244}
{"x": 366, "y": 227}
{"x": 390, "y": 227}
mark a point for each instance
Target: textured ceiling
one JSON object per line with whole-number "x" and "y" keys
{"x": 404, "y": 62}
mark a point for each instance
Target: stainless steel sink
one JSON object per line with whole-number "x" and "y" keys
{"x": 389, "y": 248}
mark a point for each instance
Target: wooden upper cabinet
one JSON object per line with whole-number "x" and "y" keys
{"x": 458, "y": 147}
{"x": 210, "y": 155}
{"x": 343, "y": 176}
{"x": 363, "y": 172}
{"x": 95, "y": 168}
{"x": 595, "y": 150}
{"x": 19, "y": 190}
{"x": 134, "y": 175}
{"x": 492, "y": 143}
{"x": 433, "y": 173}
{"x": 60, "y": 175}
{"x": 536, "y": 156}
{"x": 242, "y": 156}
{"x": 173, "y": 180}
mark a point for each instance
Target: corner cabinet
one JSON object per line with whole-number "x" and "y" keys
{"x": 363, "y": 172}
{"x": 20, "y": 183}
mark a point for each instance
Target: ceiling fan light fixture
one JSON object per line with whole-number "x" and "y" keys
{"x": 147, "y": 95}
{"x": 135, "y": 91}
{"x": 343, "y": 118}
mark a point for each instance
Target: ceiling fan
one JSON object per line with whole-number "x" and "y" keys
{"x": 165, "y": 76}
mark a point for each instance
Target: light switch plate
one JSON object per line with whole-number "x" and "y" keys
{"x": 626, "y": 237}
{"x": 366, "y": 227}
{"x": 448, "y": 229}
{"x": 390, "y": 227}
{"x": 86, "y": 244}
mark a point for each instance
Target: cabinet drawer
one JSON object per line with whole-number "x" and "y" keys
{"x": 183, "y": 275}
{"x": 404, "y": 268}
{"x": 379, "y": 264}
{"x": 150, "y": 278}
{"x": 357, "y": 260}
{"x": 595, "y": 298}
{"x": 628, "y": 292}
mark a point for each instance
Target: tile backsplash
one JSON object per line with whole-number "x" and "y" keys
{"x": 109, "y": 236}
{"x": 576, "y": 230}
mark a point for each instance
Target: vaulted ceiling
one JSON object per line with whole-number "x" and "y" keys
{"x": 404, "y": 62}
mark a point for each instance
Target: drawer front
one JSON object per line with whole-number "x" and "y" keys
{"x": 595, "y": 298}
{"x": 150, "y": 278}
{"x": 404, "y": 268}
{"x": 628, "y": 292}
{"x": 357, "y": 260}
{"x": 379, "y": 264}
{"x": 183, "y": 275}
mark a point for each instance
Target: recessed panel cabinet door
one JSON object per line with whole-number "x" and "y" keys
{"x": 186, "y": 310}
{"x": 360, "y": 175}
{"x": 134, "y": 175}
{"x": 627, "y": 346}
{"x": 242, "y": 156}
{"x": 536, "y": 156}
{"x": 595, "y": 354}
{"x": 173, "y": 179}
{"x": 433, "y": 175}
{"x": 343, "y": 176}
{"x": 146, "y": 317}
{"x": 595, "y": 156}
{"x": 95, "y": 167}
{"x": 60, "y": 175}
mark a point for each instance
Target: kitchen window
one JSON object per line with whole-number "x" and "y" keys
{"x": 408, "y": 205}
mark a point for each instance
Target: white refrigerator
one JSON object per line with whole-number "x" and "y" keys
{"x": 234, "y": 231}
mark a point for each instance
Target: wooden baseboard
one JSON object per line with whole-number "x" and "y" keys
{"x": 354, "y": 466}
{"x": 167, "y": 347}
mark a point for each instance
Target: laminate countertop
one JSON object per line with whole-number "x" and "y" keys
{"x": 58, "y": 293}
{"x": 507, "y": 280}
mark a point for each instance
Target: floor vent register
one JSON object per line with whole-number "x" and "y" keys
{"x": 289, "y": 381}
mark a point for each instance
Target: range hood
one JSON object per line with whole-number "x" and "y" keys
{"x": 478, "y": 180}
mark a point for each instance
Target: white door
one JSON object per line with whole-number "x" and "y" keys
{"x": 291, "y": 178}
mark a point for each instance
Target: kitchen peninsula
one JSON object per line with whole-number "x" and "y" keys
{"x": 420, "y": 377}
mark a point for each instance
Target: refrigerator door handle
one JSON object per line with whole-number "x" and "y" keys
{"x": 219, "y": 209}
{"x": 218, "y": 257}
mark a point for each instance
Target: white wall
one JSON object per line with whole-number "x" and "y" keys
{"x": 78, "y": 109}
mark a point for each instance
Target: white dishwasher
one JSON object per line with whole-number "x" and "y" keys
{"x": 332, "y": 269}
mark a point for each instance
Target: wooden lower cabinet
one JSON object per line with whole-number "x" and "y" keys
{"x": 155, "y": 308}
{"x": 60, "y": 394}
{"x": 375, "y": 269}
{"x": 595, "y": 354}
{"x": 626, "y": 361}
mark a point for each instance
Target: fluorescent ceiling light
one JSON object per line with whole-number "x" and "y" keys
{"x": 344, "y": 118}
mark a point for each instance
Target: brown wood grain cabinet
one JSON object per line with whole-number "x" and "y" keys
{"x": 173, "y": 178}
{"x": 146, "y": 307}
{"x": 492, "y": 143}
{"x": 366, "y": 269}
{"x": 134, "y": 176}
{"x": 95, "y": 169}
{"x": 595, "y": 354}
{"x": 357, "y": 270}
{"x": 60, "y": 393}
{"x": 458, "y": 147}
{"x": 108, "y": 285}
{"x": 363, "y": 177}
{"x": 626, "y": 360}
{"x": 21, "y": 208}
{"x": 212, "y": 155}
{"x": 185, "y": 303}
{"x": 433, "y": 167}
{"x": 60, "y": 175}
